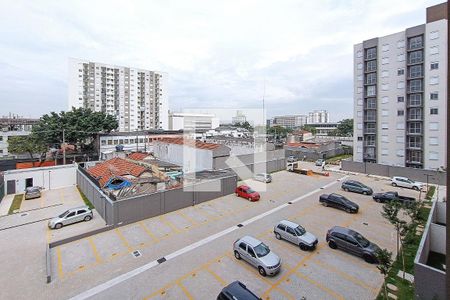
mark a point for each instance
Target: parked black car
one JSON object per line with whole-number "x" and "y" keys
{"x": 338, "y": 201}
{"x": 236, "y": 290}
{"x": 357, "y": 187}
{"x": 392, "y": 196}
{"x": 352, "y": 242}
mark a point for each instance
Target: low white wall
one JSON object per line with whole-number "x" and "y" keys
{"x": 437, "y": 238}
{"x": 48, "y": 177}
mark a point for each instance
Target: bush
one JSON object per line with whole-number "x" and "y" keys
{"x": 430, "y": 192}
{"x": 85, "y": 199}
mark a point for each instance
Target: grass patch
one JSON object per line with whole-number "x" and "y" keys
{"x": 430, "y": 192}
{"x": 86, "y": 200}
{"x": 336, "y": 159}
{"x": 15, "y": 205}
{"x": 405, "y": 288}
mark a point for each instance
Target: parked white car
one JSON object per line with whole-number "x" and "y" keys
{"x": 295, "y": 234}
{"x": 406, "y": 183}
{"x": 71, "y": 216}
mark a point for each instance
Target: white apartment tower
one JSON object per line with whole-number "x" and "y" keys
{"x": 400, "y": 95}
{"x": 137, "y": 97}
{"x": 318, "y": 117}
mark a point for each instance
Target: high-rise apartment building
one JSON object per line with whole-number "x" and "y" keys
{"x": 137, "y": 97}
{"x": 319, "y": 116}
{"x": 400, "y": 95}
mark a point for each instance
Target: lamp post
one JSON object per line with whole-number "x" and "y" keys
{"x": 428, "y": 175}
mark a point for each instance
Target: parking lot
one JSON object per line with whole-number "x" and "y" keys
{"x": 202, "y": 272}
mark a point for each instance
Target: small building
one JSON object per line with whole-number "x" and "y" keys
{"x": 314, "y": 150}
{"x": 193, "y": 155}
{"x": 299, "y": 136}
{"x": 11, "y": 126}
{"x": 192, "y": 121}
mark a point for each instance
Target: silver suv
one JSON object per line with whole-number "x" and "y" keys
{"x": 73, "y": 215}
{"x": 295, "y": 234}
{"x": 257, "y": 254}
{"x": 263, "y": 177}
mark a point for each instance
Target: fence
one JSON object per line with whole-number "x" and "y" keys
{"x": 119, "y": 212}
{"x": 434, "y": 177}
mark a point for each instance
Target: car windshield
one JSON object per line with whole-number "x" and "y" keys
{"x": 63, "y": 214}
{"x": 261, "y": 250}
{"x": 300, "y": 230}
{"x": 250, "y": 191}
{"x": 361, "y": 240}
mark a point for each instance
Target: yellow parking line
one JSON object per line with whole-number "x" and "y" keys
{"x": 189, "y": 219}
{"x": 290, "y": 272}
{"x": 98, "y": 258}
{"x": 185, "y": 291}
{"x": 345, "y": 275}
{"x": 42, "y": 201}
{"x": 122, "y": 238}
{"x": 320, "y": 286}
{"x": 217, "y": 277}
{"x": 59, "y": 259}
{"x": 149, "y": 233}
{"x": 169, "y": 224}
{"x": 347, "y": 257}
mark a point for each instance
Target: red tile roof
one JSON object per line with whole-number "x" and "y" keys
{"x": 192, "y": 143}
{"x": 115, "y": 167}
{"x": 137, "y": 155}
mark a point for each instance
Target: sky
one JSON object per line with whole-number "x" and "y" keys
{"x": 298, "y": 55}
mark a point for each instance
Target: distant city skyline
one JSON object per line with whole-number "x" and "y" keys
{"x": 286, "y": 49}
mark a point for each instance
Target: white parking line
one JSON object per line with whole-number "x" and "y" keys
{"x": 121, "y": 278}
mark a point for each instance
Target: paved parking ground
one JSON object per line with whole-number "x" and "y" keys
{"x": 196, "y": 243}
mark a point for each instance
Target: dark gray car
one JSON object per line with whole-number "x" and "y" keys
{"x": 352, "y": 242}
{"x": 357, "y": 187}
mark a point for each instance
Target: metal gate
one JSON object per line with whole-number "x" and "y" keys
{"x": 10, "y": 187}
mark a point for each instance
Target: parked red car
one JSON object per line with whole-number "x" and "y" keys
{"x": 246, "y": 192}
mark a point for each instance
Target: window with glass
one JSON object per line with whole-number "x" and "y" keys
{"x": 415, "y": 142}
{"x": 400, "y": 112}
{"x": 371, "y": 66}
{"x": 400, "y": 72}
{"x": 415, "y": 100}
{"x": 371, "y": 103}
{"x": 371, "y": 91}
{"x": 415, "y": 71}
{"x": 371, "y": 78}
{"x": 415, "y": 42}
{"x": 415, "y": 128}
{"x": 370, "y": 128}
{"x": 434, "y": 96}
{"x": 415, "y": 57}
{"x": 371, "y": 53}
{"x": 433, "y": 111}
{"x": 434, "y": 66}
{"x": 415, "y": 85}
{"x": 415, "y": 156}
{"x": 415, "y": 114}
{"x": 370, "y": 115}
{"x": 370, "y": 140}
{"x": 400, "y": 99}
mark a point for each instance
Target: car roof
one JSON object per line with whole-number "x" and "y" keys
{"x": 289, "y": 223}
{"x": 342, "y": 230}
{"x": 79, "y": 207}
{"x": 399, "y": 177}
{"x": 31, "y": 188}
{"x": 243, "y": 186}
{"x": 250, "y": 240}
{"x": 352, "y": 181}
{"x": 238, "y": 290}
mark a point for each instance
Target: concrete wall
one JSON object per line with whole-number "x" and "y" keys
{"x": 192, "y": 159}
{"x": 47, "y": 177}
{"x": 389, "y": 171}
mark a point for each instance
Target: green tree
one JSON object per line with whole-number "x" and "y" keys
{"x": 80, "y": 126}
{"x": 384, "y": 265}
{"x": 245, "y": 125}
{"x": 279, "y": 131}
{"x": 309, "y": 128}
{"x": 345, "y": 128}
{"x": 26, "y": 144}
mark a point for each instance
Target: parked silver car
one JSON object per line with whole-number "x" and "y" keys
{"x": 73, "y": 215}
{"x": 295, "y": 234}
{"x": 407, "y": 183}
{"x": 257, "y": 254}
{"x": 32, "y": 192}
{"x": 263, "y": 177}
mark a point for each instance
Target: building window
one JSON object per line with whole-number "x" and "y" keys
{"x": 371, "y": 90}
{"x": 401, "y": 44}
{"x": 400, "y": 99}
{"x": 434, "y": 96}
{"x": 434, "y": 80}
{"x": 434, "y": 126}
{"x": 401, "y": 85}
{"x": 434, "y": 50}
{"x": 385, "y": 47}
{"x": 401, "y": 57}
{"x": 359, "y": 66}
{"x": 415, "y": 57}
{"x": 415, "y": 71}
{"x": 400, "y": 72}
{"x": 434, "y": 66}
{"x": 385, "y": 87}
{"x": 384, "y": 113}
{"x": 103, "y": 142}
{"x": 384, "y": 152}
{"x": 384, "y": 126}
{"x": 371, "y": 66}
{"x": 109, "y": 142}
{"x": 415, "y": 42}
{"x": 384, "y": 73}
{"x": 434, "y": 155}
{"x": 433, "y": 111}
{"x": 359, "y": 53}
{"x": 360, "y": 138}
{"x": 401, "y": 126}
{"x": 400, "y": 139}
{"x": 385, "y": 60}
{"x": 384, "y": 100}
{"x": 385, "y": 139}
{"x": 400, "y": 153}
{"x": 434, "y": 141}
{"x": 371, "y": 78}
{"x": 434, "y": 35}
{"x": 400, "y": 112}
{"x": 415, "y": 85}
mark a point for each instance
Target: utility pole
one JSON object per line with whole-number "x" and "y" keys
{"x": 64, "y": 146}
{"x": 428, "y": 175}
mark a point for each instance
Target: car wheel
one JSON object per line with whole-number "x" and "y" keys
{"x": 249, "y": 199}
{"x": 237, "y": 255}
{"x": 394, "y": 184}
{"x": 348, "y": 210}
{"x": 369, "y": 259}
{"x": 87, "y": 218}
{"x": 415, "y": 188}
{"x": 346, "y": 189}
{"x": 303, "y": 247}
{"x": 278, "y": 236}
{"x": 377, "y": 200}
{"x": 58, "y": 225}
{"x": 364, "y": 193}
{"x": 262, "y": 271}
{"x": 332, "y": 245}
{"x": 237, "y": 195}
{"x": 325, "y": 204}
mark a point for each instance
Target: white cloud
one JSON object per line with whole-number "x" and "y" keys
{"x": 216, "y": 52}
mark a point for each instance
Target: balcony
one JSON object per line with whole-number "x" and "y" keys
{"x": 415, "y": 117}
{"x": 370, "y": 131}
{"x": 369, "y": 119}
{"x": 414, "y": 103}
{"x": 415, "y": 76}
{"x": 414, "y": 131}
{"x": 370, "y": 106}
{"x": 369, "y": 144}
{"x": 414, "y": 146}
